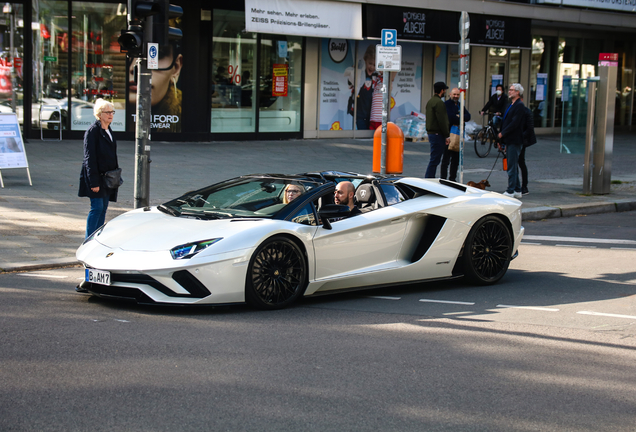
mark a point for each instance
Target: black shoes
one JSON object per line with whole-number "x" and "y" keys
{"x": 524, "y": 191}
{"x": 79, "y": 289}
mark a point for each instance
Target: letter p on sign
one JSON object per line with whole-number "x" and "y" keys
{"x": 389, "y": 38}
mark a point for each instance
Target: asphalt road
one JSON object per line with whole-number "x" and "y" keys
{"x": 550, "y": 348}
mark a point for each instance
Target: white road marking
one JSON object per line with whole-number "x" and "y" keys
{"x": 545, "y": 309}
{"x": 384, "y": 297}
{"x": 447, "y": 302}
{"x": 607, "y": 315}
{"x": 578, "y": 239}
{"x": 43, "y": 275}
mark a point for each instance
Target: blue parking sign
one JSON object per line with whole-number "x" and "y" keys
{"x": 389, "y": 38}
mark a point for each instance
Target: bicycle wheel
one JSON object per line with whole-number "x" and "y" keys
{"x": 484, "y": 142}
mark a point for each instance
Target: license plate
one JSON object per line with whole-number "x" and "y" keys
{"x": 101, "y": 277}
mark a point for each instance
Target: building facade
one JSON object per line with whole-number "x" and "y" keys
{"x": 279, "y": 69}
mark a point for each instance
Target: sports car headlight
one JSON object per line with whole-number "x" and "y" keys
{"x": 189, "y": 250}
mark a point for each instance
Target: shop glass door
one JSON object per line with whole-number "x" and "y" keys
{"x": 234, "y": 74}
{"x": 49, "y": 98}
{"x": 280, "y": 83}
{"x": 11, "y": 60}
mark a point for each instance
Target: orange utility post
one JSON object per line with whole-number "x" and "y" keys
{"x": 394, "y": 149}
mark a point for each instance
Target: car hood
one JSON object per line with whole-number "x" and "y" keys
{"x": 152, "y": 230}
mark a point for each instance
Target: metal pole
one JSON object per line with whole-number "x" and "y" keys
{"x": 386, "y": 80}
{"x": 142, "y": 127}
{"x": 589, "y": 136}
{"x": 461, "y": 135}
{"x": 604, "y": 142}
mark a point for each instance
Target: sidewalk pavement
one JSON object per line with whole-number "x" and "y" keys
{"x": 42, "y": 225}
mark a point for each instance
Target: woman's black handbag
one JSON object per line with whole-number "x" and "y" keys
{"x": 113, "y": 178}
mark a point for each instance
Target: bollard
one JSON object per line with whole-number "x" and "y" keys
{"x": 394, "y": 149}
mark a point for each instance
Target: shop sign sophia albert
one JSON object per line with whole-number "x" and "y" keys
{"x": 304, "y": 18}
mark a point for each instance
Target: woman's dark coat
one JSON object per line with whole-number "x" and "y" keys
{"x": 100, "y": 155}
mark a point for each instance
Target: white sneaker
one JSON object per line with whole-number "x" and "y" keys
{"x": 518, "y": 195}
{"x": 510, "y": 195}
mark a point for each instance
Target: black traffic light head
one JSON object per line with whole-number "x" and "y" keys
{"x": 131, "y": 41}
{"x": 162, "y": 32}
{"x": 139, "y": 10}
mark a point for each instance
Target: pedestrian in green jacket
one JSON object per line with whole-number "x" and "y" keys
{"x": 437, "y": 127}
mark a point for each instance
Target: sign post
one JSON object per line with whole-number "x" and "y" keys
{"x": 12, "y": 151}
{"x": 388, "y": 58}
{"x": 464, "y": 56}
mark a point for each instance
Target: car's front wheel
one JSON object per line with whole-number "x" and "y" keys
{"x": 487, "y": 251}
{"x": 277, "y": 274}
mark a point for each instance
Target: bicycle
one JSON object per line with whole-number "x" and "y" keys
{"x": 486, "y": 138}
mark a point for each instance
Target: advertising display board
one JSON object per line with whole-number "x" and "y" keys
{"x": 12, "y": 152}
{"x": 337, "y": 77}
{"x": 304, "y": 18}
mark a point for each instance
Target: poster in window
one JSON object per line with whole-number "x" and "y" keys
{"x": 280, "y": 74}
{"x": 406, "y": 85}
{"x": 166, "y": 96}
{"x": 337, "y": 96}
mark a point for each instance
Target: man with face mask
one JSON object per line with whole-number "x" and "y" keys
{"x": 497, "y": 103}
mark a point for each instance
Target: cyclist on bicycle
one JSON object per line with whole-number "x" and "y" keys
{"x": 495, "y": 106}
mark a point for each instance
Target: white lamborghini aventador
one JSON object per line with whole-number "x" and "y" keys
{"x": 241, "y": 241}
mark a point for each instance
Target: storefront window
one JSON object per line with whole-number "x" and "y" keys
{"x": 98, "y": 67}
{"x": 542, "y": 79}
{"x": 11, "y": 60}
{"x": 280, "y": 82}
{"x": 625, "y": 83}
{"x": 50, "y": 64}
{"x": 515, "y": 61}
{"x": 569, "y": 66}
{"x": 233, "y": 74}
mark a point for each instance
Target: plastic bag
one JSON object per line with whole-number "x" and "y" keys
{"x": 471, "y": 128}
{"x": 413, "y": 126}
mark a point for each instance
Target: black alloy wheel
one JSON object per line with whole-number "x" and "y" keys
{"x": 487, "y": 251}
{"x": 277, "y": 274}
{"x": 484, "y": 142}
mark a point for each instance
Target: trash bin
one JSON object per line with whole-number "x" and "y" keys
{"x": 394, "y": 149}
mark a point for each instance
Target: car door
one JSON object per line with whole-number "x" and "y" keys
{"x": 360, "y": 244}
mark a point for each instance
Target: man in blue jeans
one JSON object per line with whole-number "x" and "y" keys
{"x": 511, "y": 136}
{"x": 437, "y": 127}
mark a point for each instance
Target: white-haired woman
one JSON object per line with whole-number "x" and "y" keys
{"x": 100, "y": 155}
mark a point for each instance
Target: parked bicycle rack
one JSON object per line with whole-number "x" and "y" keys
{"x": 56, "y": 109}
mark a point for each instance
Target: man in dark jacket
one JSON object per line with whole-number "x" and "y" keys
{"x": 437, "y": 127}
{"x": 452, "y": 157}
{"x": 529, "y": 138}
{"x": 511, "y": 136}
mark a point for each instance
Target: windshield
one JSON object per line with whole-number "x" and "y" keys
{"x": 250, "y": 197}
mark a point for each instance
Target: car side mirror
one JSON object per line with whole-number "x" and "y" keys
{"x": 331, "y": 211}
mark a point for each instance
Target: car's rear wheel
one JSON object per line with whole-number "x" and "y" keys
{"x": 487, "y": 251}
{"x": 277, "y": 274}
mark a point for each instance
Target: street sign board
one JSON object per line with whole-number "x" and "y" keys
{"x": 388, "y": 59}
{"x": 464, "y": 25}
{"x": 153, "y": 55}
{"x": 389, "y": 38}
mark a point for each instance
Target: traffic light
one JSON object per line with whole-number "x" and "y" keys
{"x": 131, "y": 40}
{"x": 162, "y": 32}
